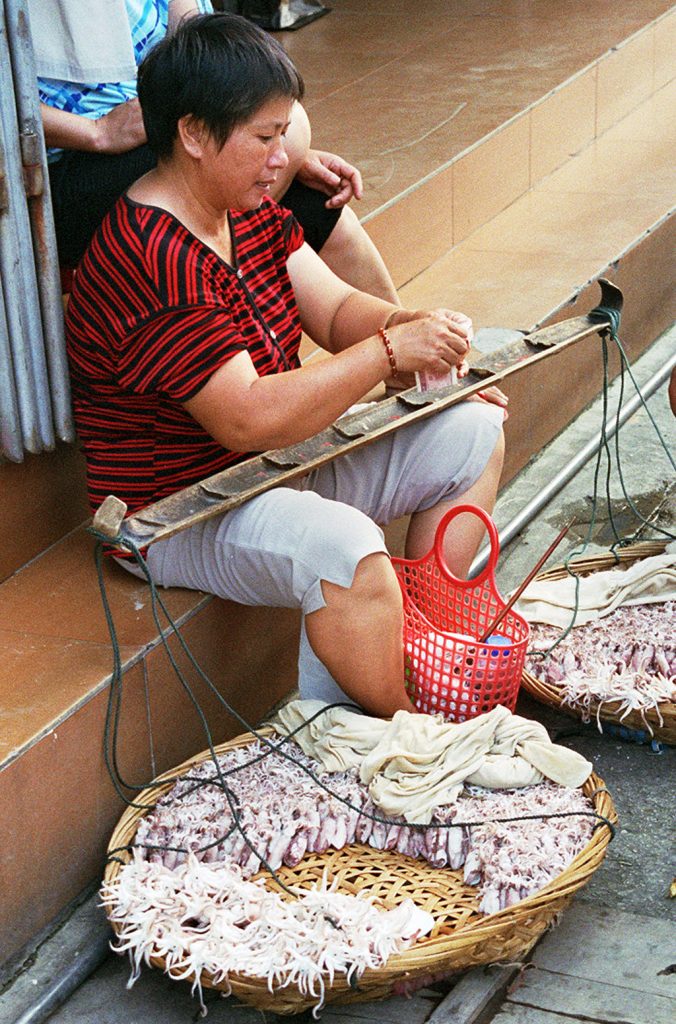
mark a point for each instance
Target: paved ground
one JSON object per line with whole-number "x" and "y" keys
{"x": 612, "y": 958}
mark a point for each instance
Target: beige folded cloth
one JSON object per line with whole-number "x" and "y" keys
{"x": 339, "y": 739}
{"x": 647, "y": 581}
{"x": 414, "y": 763}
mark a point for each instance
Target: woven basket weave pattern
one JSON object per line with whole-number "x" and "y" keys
{"x": 661, "y": 723}
{"x": 461, "y": 938}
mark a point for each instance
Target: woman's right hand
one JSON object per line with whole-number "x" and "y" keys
{"x": 121, "y": 129}
{"x": 433, "y": 342}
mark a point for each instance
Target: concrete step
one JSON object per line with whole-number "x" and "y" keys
{"x": 57, "y": 802}
{"x": 450, "y": 114}
{"x": 456, "y": 110}
{"x": 605, "y": 212}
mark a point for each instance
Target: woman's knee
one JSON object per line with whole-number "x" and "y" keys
{"x": 374, "y": 592}
{"x": 344, "y": 538}
{"x": 497, "y": 457}
{"x": 318, "y": 538}
{"x": 375, "y": 581}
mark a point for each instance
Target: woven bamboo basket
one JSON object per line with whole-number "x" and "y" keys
{"x": 462, "y": 937}
{"x": 655, "y": 723}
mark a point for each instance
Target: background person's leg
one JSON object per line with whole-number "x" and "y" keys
{"x": 340, "y": 240}
{"x": 354, "y": 258}
{"x": 337, "y": 235}
{"x": 83, "y": 188}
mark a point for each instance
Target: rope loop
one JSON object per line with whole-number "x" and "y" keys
{"x": 607, "y": 313}
{"x": 106, "y": 538}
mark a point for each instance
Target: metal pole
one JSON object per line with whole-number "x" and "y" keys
{"x": 529, "y": 511}
{"x": 34, "y": 158}
{"x": 22, "y": 303}
{"x": 11, "y": 438}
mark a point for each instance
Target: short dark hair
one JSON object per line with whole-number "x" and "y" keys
{"x": 218, "y": 67}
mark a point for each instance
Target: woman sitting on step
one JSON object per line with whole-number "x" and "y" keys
{"x": 98, "y": 143}
{"x": 183, "y": 335}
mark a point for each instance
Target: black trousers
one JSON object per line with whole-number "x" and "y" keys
{"x": 84, "y": 186}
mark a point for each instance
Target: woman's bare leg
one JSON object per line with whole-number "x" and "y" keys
{"x": 348, "y": 250}
{"x": 357, "y": 635}
{"x": 466, "y": 532}
{"x": 353, "y": 257}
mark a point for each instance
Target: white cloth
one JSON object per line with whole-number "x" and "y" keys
{"x": 414, "y": 763}
{"x": 338, "y": 738}
{"x": 82, "y": 40}
{"x": 647, "y": 581}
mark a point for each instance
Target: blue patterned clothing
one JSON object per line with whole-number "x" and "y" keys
{"x": 148, "y": 21}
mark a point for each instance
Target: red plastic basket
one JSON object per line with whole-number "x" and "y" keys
{"x": 448, "y": 670}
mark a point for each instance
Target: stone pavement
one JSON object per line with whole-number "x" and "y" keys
{"x": 613, "y": 956}
{"x": 599, "y": 964}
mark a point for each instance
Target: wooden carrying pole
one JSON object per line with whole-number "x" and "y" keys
{"x": 233, "y": 486}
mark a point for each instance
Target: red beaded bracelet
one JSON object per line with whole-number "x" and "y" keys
{"x": 388, "y": 348}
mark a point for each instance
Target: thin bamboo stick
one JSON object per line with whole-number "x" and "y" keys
{"x": 520, "y": 589}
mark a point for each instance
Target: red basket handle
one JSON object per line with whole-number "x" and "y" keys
{"x": 492, "y": 534}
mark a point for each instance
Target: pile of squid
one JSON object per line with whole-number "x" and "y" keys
{"x": 187, "y": 894}
{"x": 262, "y": 809}
{"x": 206, "y": 917}
{"x": 628, "y": 656}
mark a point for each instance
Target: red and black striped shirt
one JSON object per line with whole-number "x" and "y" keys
{"x": 153, "y": 314}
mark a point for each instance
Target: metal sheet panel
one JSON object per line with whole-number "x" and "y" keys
{"x": 40, "y": 213}
{"x": 35, "y": 395}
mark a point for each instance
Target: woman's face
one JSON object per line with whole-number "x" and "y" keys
{"x": 240, "y": 174}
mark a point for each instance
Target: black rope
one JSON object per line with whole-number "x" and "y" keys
{"x": 606, "y": 313}
{"x": 601, "y": 820}
{"x": 272, "y": 748}
{"x": 114, "y": 709}
{"x": 111, "y": 735}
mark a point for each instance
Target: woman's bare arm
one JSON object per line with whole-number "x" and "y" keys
{"x": 245, "y": 412}
{"x": 116, "y": 132}
{"x": 248, "y": 413}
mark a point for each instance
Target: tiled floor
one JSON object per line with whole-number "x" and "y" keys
{"x": 401, "y": 89}
{"x": 568, "y": 227}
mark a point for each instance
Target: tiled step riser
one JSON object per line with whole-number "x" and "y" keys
{"x": 545, "y": 398}
{"x": 57, "y": 802}
{"x": 478, "y": 184}
{"x": 41, "y": 500}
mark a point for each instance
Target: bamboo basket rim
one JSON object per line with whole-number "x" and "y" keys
{"x": 488, "y": 938}
{"x": 660, "y": 721}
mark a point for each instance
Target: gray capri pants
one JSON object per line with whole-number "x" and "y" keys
{"x": 277, "y": 548}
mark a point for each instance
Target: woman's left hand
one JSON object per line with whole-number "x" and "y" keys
{"x": 331, "y": 174}
{"x": 494, "y": 396}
